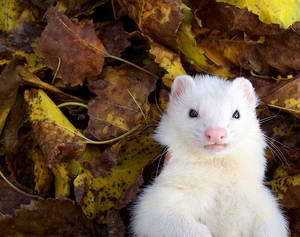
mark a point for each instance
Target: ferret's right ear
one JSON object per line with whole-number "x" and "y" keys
{"x": 180, "y": 84}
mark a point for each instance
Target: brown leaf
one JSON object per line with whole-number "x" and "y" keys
{"x": 239, "y": 39}
{"x": 11, "y": 138}
{"x": 10, "y": 199}
{"x": 77, "y": 45}
{"x": 54, "y": 133}
{"x": 114, "y": 111}
{"x": 103, "y": 163}
{"x": 115, "y": 38}
{"x": 30, "y": 79}
{"x": 168, "y": 60}
{"x": 10, "y": 82}
{"x": 286, "y": 97}
{"x": 115, "y": 225}
{"x": 52, "y": 217}
{"x": 159, "y": 19}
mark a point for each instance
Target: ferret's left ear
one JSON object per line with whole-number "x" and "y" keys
{"x": 245, "y": 85}
{"x": 180, "y": 85}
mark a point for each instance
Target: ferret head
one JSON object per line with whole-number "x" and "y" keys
{"x": 209, "y": 115}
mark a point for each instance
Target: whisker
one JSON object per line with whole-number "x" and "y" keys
{"x": 274, "y": 140}
{"x": 156, "y": 103}
{"x": 165, "y": 150}
{"x": 277, "y": 151}
{"x": 263, "y": 120}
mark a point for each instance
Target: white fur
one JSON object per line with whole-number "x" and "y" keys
{"x": 201, "y": 193}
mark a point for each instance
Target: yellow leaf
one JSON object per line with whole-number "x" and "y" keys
{"x": 55, "y": 134}
{"x": 280, "y": 185}
{"x": 168, "y": 60}
{"x": 33, "y": 62}
{"x": 42, "y": 174}
{"x": 12, "y": 12}
{"x": 195, "y": 54}
{"x": 102, "y": 193}
{"x": 284, "y": 13}
{"x": 61, "y": 180}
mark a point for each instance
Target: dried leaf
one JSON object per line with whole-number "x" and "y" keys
{"x": 115, "y": 38}
{"x": 11, "y": 138}
{"x": 51, "y": 217}
{"x": 80, "y": 50}
{"x": 10, "y": 199}
{"x": 122, "y": 92}
{"x": 238, "y": 40}
{"x": 12, "y": 13}
{"x": 30, "y": 79}
{"x": 62, "y": 180}
{"x": 42, "y": 174}
{"x": 103, "y": 163}
{"x": 286, "y": 97}
{"x": 10, "y": 82}
{"x": 113, "y": 188}
{"x": 197, "y": 55}
{"x": 270, "y": 11}
{"x": 158, "y": 19}
{"x": 53, "y": 131}
{"x": 168, "y": 60}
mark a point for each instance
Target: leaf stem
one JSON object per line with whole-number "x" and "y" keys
{"x": 89, "y": 141}
{"x": 57, "y": 69}
{"x": 132, "y": 64}
{"x": 72, "y": 104}
{"x": 137, "y": 104}
{"x": 17, "y": 189}
{"x": 113, "y": 9}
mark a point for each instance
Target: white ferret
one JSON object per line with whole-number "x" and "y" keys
{"x": 213, "y": 185}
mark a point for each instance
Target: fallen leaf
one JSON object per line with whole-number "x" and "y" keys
{"x": 270, "y": 11}
{"x": 11, "y": 138}
{"x": 158, "y": 19}
{"x": 286, "y": 98}
{"x": 61, "y": 180}
{"x": 115, "y": 225}
{"x": 53, "y": 131}
{"x": 168, "y": 60}
{"x": 196, "y": 55}
{"x": 100, "y": 165}
{"x": 80, "y": 50}
{"x": 122, "y": 98}
{"x": 42, "y": 174}
{"x": 12, "y": 13}
{"x": 115, "y": 38}
{"x": 30, "y": 79}
{"x": 79, "y": 7}
{"x": 113, "y": 189}
{"x": 10, "y": 82}
{"x": 10, "y": 199}
{"x": 51, "y": 217}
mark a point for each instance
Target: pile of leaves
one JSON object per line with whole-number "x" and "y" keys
{"x": 83, "y": 86}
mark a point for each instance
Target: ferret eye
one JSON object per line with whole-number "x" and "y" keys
{"x": 236, "y": 115}
{"x": 193, "y": 113}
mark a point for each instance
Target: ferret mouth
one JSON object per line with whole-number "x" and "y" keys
{"x": 215, "y": 147}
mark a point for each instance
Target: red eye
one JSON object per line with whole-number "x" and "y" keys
{"x": 236, "y": 115}
{"x": 193, "y": 113}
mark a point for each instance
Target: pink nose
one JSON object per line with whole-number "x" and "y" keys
{"x": 215, "y": 134}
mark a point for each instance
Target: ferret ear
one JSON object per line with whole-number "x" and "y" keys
{"x": 180, "y": 84}
{"x": 245, "y": 85}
